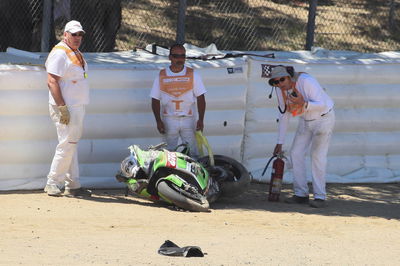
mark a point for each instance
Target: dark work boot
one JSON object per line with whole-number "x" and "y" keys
{"x": 318, "y": 203}
{"x": 297, "y": 199}
{"x": 78, "y": 192}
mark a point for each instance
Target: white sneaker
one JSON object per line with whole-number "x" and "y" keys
{"x": 52, "y": 190}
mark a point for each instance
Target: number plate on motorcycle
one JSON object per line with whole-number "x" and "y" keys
{"x": 171, "y": 159}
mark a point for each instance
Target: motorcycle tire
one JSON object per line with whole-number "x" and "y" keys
{"x": 234, "y": 185}
{"x": 179, "y": 200}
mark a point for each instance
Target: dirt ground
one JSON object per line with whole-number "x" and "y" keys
{"x": 359, "y": 227}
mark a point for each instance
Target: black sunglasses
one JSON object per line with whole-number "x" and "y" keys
{"x": 81, "y": 34}
{"x": 277, "y": 81}
{"x": 178, "y": 55}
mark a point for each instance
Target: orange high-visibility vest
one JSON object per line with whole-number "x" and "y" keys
{"x": 294, "y": 109}
{"x": 179, "y": 92}
{"x": 73, "y": 56}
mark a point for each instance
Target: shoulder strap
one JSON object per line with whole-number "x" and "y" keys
{"x": 297, "y": 75}
{"x": 189, "y": 70}
{"x": 70, "y": 54}
{"x": 163, "y": 73}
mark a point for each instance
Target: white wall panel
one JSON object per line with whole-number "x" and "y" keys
{"x": 365, "y": 143}
{"x": 108, "y": 79}
{"x": 118, "y": 100}
{"x": 25, "y": 78}
{"x": 354, "y": 120}
{"x": 353, "y": 169}
{"x": 23, "y": 102}
{"x": 367, "y": 119}
{"x": 364, "y": 95}
{"x": 262, "y": 145}
{"x": 342, "y": 144}
{"x": 240, "y": 120}
{"x": 118, "y": 115}
{"x": 230, "y": 96}
{"x": 265, "y": 120}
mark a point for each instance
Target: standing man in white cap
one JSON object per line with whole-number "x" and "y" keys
{"x": 301, "y": 95}
{"x": 68, "y": 95}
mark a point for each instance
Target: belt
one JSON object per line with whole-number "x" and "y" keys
{"x": 327, "y": 112}
{"x": 321, "y": 115}
{"x": 174, "y": 116}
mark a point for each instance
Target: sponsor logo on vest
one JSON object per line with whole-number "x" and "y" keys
{"x": 177, "y": 79}
{"x": 177, "y": 104}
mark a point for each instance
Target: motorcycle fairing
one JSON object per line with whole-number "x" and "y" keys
{"x": 178, "y": 164}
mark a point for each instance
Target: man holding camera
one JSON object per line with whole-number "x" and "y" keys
{"x": 301, "y": 95}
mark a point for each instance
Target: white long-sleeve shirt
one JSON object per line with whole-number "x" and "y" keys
{"x": 319, "y": 103}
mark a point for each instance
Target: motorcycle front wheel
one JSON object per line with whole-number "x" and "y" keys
{"x": 236, "y": 177}
{"x": 171, "y": 193}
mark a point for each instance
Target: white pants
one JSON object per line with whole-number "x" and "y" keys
{"x": 316, "y": 133}
{"x": 183, "y": 127}
{"x": 64, "y": 170}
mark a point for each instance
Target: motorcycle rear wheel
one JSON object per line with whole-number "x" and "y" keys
{"x": 238, "y": 180}
{"x": 167, "y": 191}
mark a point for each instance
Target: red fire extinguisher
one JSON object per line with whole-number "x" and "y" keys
{"x": 275, "y": 184}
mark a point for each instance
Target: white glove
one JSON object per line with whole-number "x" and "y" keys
{"x": 64, "y": 114}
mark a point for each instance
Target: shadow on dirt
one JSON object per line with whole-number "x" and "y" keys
{"x": 352, "y": 200}
{"x": 364, "y": 200}
{"x": 116, "y": 196}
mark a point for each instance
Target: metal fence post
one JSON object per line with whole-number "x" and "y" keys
{"x": 180, "y": 29}
{"x": 392, "y": 14}
{"x": 312, "y": 12}
{"x": 46, "y": 25}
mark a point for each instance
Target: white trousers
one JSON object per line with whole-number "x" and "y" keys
{"x": 183, "y": 127}
{"x": 64, "y": 170}
{"x": 317, "y": 134}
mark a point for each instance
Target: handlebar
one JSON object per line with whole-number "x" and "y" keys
{"x": 158, "y": 146}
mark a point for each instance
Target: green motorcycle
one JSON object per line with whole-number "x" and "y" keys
{"x": 176, "y": 178}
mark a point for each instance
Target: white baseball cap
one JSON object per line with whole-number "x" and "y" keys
{"x": 73, "y": 27}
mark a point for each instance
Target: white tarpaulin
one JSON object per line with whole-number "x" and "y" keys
{"x": 240, "y": 119}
